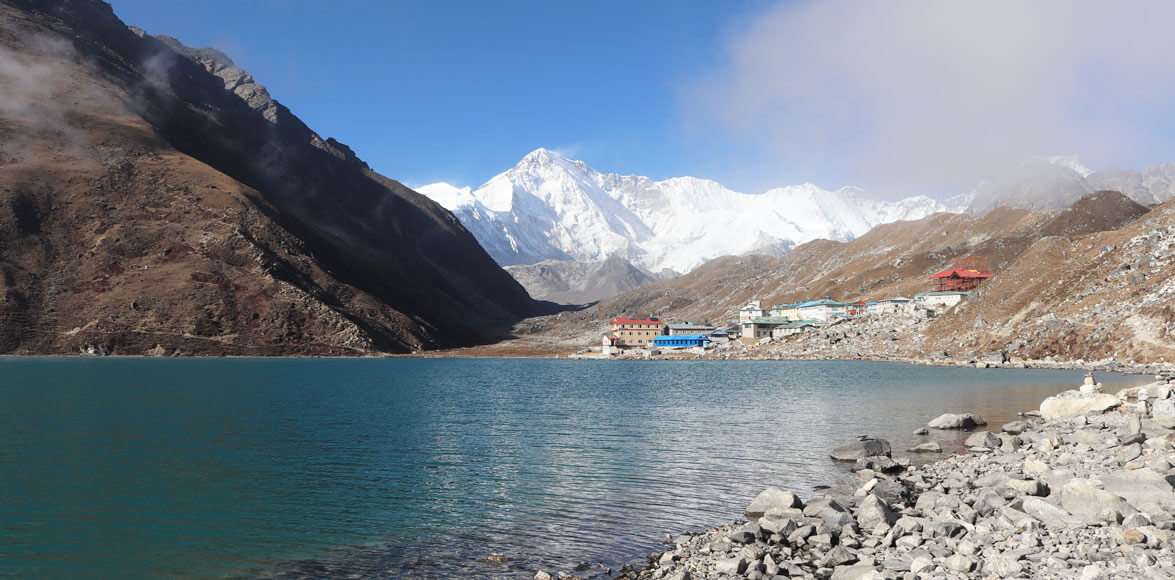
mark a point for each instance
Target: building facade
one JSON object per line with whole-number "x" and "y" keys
{"x": 791, "y": 328}
{"x": 822, "y": 310}
{"x": 681, "y": 341}
{"x": 689, "y": 328}
{"x": 634, "y": 332}
{"x": 941, "y": 300}
{"x": 753, "y": 309}
{"x": 898, "y": 305}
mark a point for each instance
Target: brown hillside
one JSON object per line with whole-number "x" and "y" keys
{"x": 1092, "y": 281}
{"x": 1103, "y": 295}
{"x": 154, "y": 200}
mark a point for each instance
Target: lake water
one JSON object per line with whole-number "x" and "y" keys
{"x": 423, "y": 467}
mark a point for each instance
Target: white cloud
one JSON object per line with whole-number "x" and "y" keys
{"x": 934, "y": 95}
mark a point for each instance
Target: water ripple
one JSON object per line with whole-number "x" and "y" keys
{"x": 424, "y": 468}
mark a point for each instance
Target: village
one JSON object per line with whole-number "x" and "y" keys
{"x": 648, "y": 337}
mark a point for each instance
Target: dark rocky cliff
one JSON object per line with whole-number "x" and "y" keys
{"x": 156, "y": 198}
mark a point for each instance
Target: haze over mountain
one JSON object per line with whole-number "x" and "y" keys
{"x": 550, "y": 207}
{"x": 1057, "y": 182}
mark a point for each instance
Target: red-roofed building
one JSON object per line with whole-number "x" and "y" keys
{"x": 959, "y": 279}
{"x": 634, "y": 332}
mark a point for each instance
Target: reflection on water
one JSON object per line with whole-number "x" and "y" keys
{"x": 427, "y": 467}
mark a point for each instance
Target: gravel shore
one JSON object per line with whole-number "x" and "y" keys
{"x": 1082, "y": 488}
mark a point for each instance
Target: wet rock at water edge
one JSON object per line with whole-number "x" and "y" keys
{"x": 963, "y": 421}
{"x": 928, "y": 447}
{"x": 1014, "y": 427}
{"x": 984, "y": 440}
{"x": 863, "y": 447}
{"x": 772, "y": 498}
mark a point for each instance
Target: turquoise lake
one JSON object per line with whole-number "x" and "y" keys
{"x": 423, "y": 468}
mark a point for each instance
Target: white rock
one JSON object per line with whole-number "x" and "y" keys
{"x": 1163, "y": 412}
{"x": 772, "y": 497}
{"x": 1086, "y": 500}
{"x": 1074, "y": 404}
{"x": 956, "y": 421}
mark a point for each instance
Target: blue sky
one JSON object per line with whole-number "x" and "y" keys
{"x": 458, "y": 91}
{"x": 897, "y": 97}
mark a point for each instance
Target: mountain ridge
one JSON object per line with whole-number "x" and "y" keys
{"x": 157, "y": 198}
{"x": 550, "y": 207}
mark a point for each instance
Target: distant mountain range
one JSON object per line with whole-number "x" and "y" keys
{"x": 564, "y": 229}
{"x": 550, "y": 207}
{"x": 1094, "y": 281}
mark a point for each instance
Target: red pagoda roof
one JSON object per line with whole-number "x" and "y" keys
{"x": 962, "y": 273}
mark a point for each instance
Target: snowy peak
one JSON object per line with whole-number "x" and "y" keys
{"x": 551, "y": 207}
{"x": 448, "y": 196}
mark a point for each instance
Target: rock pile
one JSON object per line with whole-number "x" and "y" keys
{"x": 1083, "y": 492}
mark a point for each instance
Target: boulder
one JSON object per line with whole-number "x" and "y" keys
{"x": 944, "y": 529}
{"x": 1086, "y": 500}
{"x": 1014, "y": 427}
{"x": 1049, "y": 514}
{"x": 983, "y": 439}
{"x": 779, "y": 526}
{"x": 1151, "y": 391}
{"x": 731, "y": 566}
{"x": 863, "y": 447}
{"x": 959, "y": 563}
{"x": 1002, "y": 566}
{"x": 928, "y": 447}
{"x": 1163, "y": 412}
{"x": 890, "y": 490}
{"x": 838, "y": 556}
{"x": 1071, "y": 404}
{"x": 874, "y": 511}
{"x": 772, "y": 497}
{"x": 956, "y": 421}
{"x": 878, "y": 464}
{"x": 818, "y": 504}
{"x": 990, "y": 479}
{"x": 927, "y": 502}
{"x": 1128, "y": 453}
{"x": 857, "y": 572}
{"x": 745, "y": 534}
{"x": 1028, "y": 486}
{"x": 1142, "y": 488}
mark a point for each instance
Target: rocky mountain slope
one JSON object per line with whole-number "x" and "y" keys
{"x": 571, "y": 282}
{"x": 1092, "y": 282}
{"x": 155, "y": 198}
{"x": 549, "y": 207}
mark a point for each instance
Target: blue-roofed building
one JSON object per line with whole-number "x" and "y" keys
{"x": 681, "y": 341}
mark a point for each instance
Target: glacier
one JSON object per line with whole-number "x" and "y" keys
{"x": 550, "y": 207}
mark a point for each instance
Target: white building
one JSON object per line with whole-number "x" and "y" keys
{"x": 684, "y": 328}
{"x": 822, "y": 310}
{"x": 941, "y": 300}
{"x": 898, "y": 305}
{"x": 791, "y": 327}
{"x": 761, "y": 327}
{"x": 753, "y": 309}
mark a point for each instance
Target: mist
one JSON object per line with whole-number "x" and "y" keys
{"x": 932, "y": 97}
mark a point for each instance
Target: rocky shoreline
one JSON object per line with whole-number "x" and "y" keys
{"x": 1084, "y": 487}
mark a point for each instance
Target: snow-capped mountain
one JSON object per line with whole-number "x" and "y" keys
{"x": 549, "y": 207}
